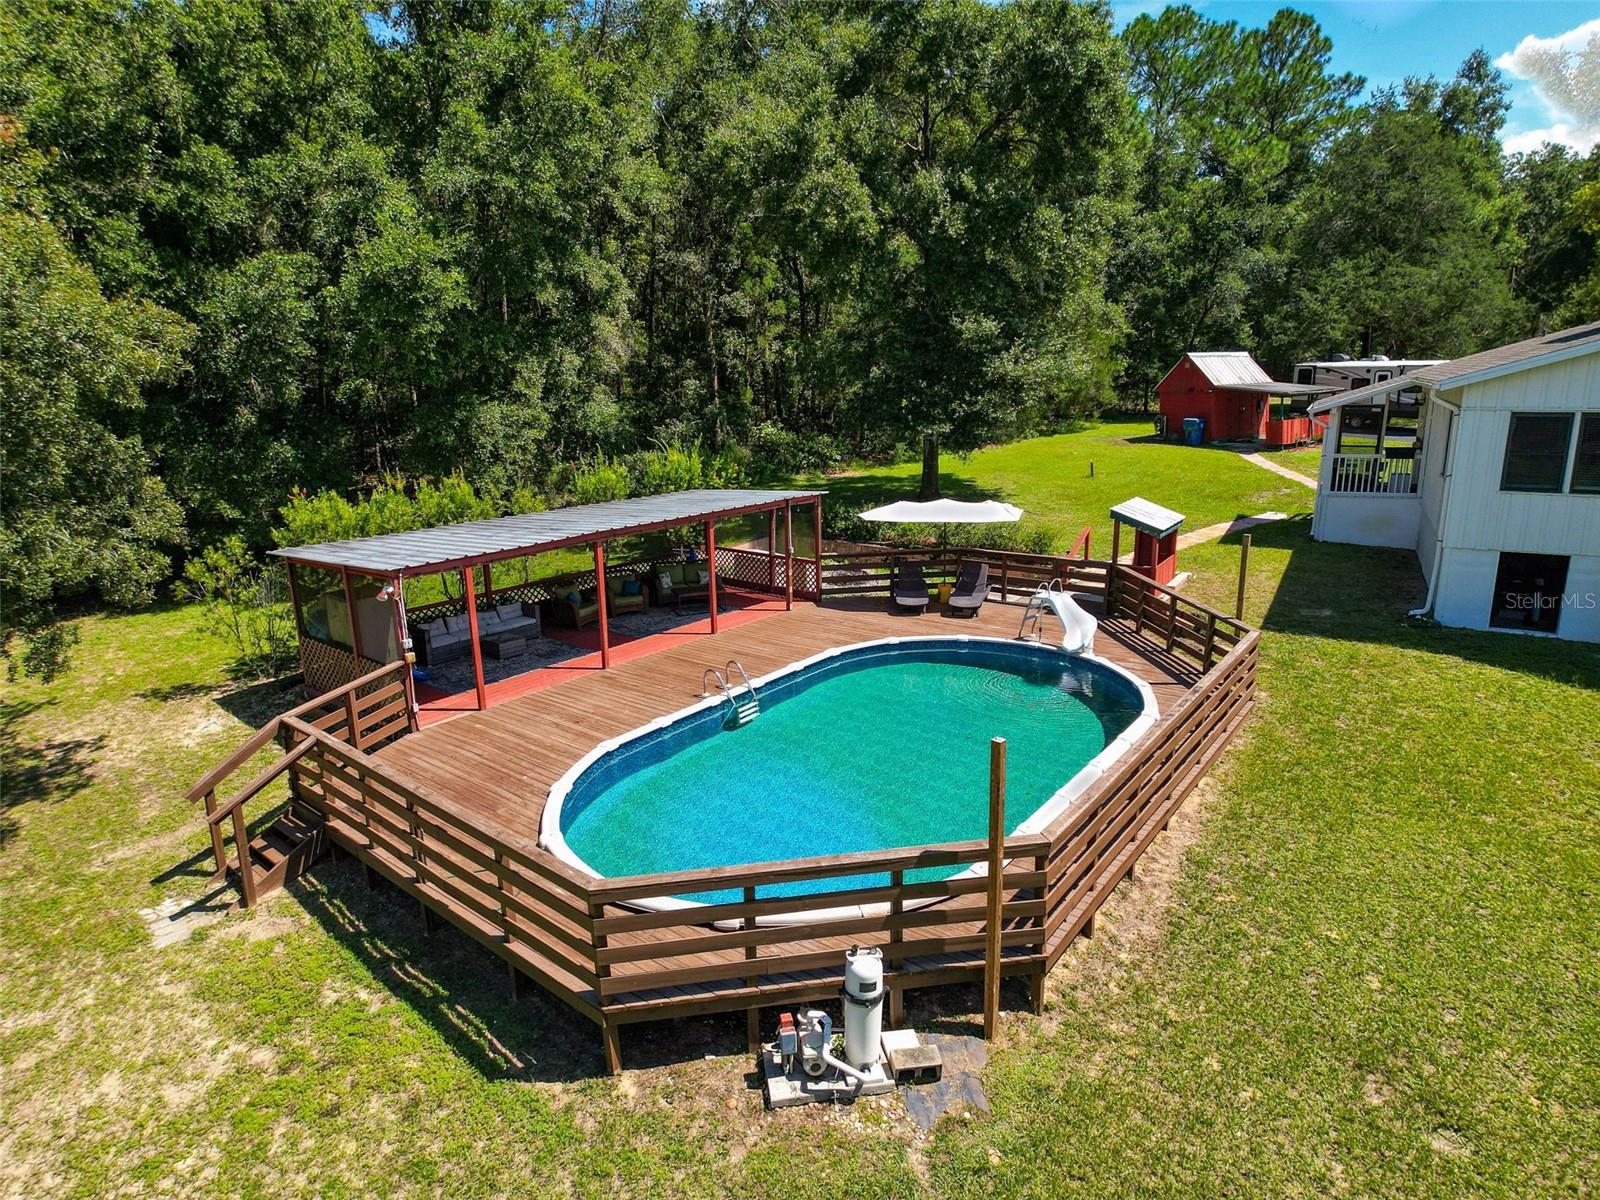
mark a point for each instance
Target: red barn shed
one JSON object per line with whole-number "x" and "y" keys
{"x": 1222, "y": 387}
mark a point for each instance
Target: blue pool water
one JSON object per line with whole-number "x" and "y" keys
{"x": 876, "y": 748}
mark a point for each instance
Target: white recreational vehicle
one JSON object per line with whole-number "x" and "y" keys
{"x": 1489, "y": 468}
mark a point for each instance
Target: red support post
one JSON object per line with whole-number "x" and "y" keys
{"x": 816, "y": 534}
{"x": 772, "y": 550}
{"x": 600, "y": 597}
{"x": 294, "y": 602}
{"x": 355, "y": 623}
{"x": 471, "y": 591}
{"x": 788, "y": 556}
{"x": 711, "y": 561}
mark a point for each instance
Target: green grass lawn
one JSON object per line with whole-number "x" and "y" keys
{"x": 1365, "y": 962}
{"x": 1050, "y": 479}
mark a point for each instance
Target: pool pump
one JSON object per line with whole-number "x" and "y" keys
{"x": 805, "y": 1065}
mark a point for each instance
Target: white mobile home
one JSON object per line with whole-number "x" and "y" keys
{"x": 1489, "y": 468}
{"x": 1347, "y": 374}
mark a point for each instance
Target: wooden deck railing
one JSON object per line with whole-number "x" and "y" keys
{"x": 1012, "y": 574}
{"x": 1165, "y": 617}
{"x": 591, "y": 943}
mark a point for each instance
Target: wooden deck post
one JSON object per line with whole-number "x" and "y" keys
{"x": 816, "y": 543}
{"x": 1244, "y": 570}
{"x": 788, "y": 556}
{"x": 997, "y": 846}
{"x": 470, "y": 589}
{"x": 600, "y": 597}
{"x": 247, "y": 869}
{"x": 711, "y": 561}
{"x": 1111, "y": 569}
{"x": 217, "y": 850}
{"x": 612, "y": 1035}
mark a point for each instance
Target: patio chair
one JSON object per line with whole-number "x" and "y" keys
{"x": 971, "y": 590}
{"x": 907, "y": 588}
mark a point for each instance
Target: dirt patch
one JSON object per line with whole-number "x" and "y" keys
{"x": 1134, "y": 920}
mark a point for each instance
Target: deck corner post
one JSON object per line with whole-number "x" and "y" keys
{"x": 611, "y": 1035}
{"x": 996, "y": 881}
{"x": 1036, "y": 992}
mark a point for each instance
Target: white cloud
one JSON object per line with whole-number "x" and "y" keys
{"x": 1564, "y": 73}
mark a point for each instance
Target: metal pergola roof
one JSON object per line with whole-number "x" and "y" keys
{"x": 447, "y": 546}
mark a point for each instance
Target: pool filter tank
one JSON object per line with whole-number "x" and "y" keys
{"x": 863, "y": 1005}
{"x": 801, "y": 1067}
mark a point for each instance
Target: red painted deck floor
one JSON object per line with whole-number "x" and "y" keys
{"x": 436, "y": 705}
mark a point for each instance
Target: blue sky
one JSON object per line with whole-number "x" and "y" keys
{"x": 1387, "y": 40}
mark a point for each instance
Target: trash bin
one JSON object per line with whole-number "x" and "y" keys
{"x": 1194, "y": 431}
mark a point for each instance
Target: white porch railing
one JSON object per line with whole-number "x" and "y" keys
{"x": 1372, "y": 473}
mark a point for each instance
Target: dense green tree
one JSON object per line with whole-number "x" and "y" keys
{"x": 328, "y": 244}
{"x": 81, "y": 514}
{"x": 1409, "y": 234}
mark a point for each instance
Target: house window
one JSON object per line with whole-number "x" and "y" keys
{"x": 1586, "y": 462}
{"x": 1536, "y": 452}
{"x": 1527, "y": 592}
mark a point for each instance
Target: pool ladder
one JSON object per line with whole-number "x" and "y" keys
{"x": 746, "y": 708}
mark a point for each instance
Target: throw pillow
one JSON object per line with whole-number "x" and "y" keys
{"x": 705, "y": 578}
{"x": 574, "y": 598}
{"x": 664, "y": 581}
{"x": 630, "y": 587}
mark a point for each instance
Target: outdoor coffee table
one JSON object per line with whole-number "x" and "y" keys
{"x": 503, "y": 645}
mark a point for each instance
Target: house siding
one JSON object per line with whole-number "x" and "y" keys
{"x": 1481, "y": 521}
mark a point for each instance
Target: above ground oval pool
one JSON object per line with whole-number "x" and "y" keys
{"x": 867, "y": 747}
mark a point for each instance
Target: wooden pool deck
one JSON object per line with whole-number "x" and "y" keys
{"x": 449, "y": 812}
{"x": 503, "y": 761}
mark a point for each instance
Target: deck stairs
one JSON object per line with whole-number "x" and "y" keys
{"x": 284, "y": 849}
{"x": 745, "y": 706}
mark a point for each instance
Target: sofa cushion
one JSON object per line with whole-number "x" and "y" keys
{"x": 511, "y": 611}
{"x": 489, "y": 621}
{"x": 433, "y": 630}
{"x": 455, "y": 624}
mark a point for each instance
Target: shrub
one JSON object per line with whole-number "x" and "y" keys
{"x": 392, "y": 507}
{"x": 601, "y": 482}
{"x": 776, "y": 452}
{"x": 246, "y": 602}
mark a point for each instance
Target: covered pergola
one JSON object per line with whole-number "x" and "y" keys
{"x": 349, "y": 596}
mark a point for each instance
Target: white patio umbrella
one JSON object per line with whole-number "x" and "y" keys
{"x": 945, "y": 513}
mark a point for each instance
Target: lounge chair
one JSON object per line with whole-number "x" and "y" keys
{"x": 908, "y": 589}
{"x": 971, "y": 590}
